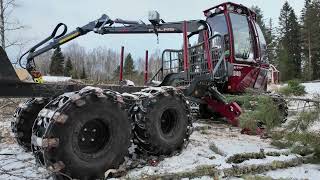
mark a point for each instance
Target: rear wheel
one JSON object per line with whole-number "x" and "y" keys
{"x": 88, "y": 134}
{"x": 24, "y": 117}
{"x": 163, "y": 125}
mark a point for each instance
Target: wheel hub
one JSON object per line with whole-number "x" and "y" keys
{"x": 168, "y": 121}
{"x": 93, "y": 136}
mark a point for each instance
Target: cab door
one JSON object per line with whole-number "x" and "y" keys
{"x": 244, "y": 54}
{"x": 243, "y": 39}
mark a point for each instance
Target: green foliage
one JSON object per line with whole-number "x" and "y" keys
{"x": 68, "y": 69}
{"x": 293, "y": 88}
{"x": 256, "y": 177}
{"x": 257, "y": 109}
{"x": 129, "y": 66}
{"x": 289, "y": 47}
{"x": 298, "y": 137}
{"x": 310, "y": 20}
{"x": 265, "y": 111}
{"x": 239, "y": 158}
{"x": 57, "y": 63}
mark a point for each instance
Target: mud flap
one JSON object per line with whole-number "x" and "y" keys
{"x": 7, "y": 72}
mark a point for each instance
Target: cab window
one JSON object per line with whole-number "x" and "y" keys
{"x": 218, "y": 24}
{"x": 263, "y": 45}
{"x": 243, "y": 40}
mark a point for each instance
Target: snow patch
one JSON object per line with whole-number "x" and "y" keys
{"x": 56, "y": 79}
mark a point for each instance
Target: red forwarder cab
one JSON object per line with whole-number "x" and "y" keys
{"x": 247, "y": 46}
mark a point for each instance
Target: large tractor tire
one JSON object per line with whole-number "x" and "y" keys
{"x": 82, "y": 135}
{"x": 24, "y": 117}
{"x": 163, "y": 124}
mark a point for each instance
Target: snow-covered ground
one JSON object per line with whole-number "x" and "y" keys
{"x": 210, "y": 145}
{"x": 56, "y": 78}
{"x": 227, "y": 140}
{"x": 312, "y": 88}
{"x": 305, "y": 171}
{"x": 17, "y": 164}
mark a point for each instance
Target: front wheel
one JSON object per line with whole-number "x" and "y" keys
{"x": 88, "y": 134}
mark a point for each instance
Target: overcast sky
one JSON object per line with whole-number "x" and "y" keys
{"x": 41, "y": 16}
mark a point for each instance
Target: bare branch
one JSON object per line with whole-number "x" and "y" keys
{"x": 15, "y": 28}
{"x": 9, "y": 5}
{"x": 13, "y": 43}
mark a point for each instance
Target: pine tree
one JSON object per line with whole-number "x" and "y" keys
{"x": 57, "y": 63}
{"x": 289, "y": 47}
{"x": 295, "y": 44}
{"x": 68, "y": 69}
{"x": 83, "y": 73}
{"x": 310, "y": 19}
{"x": 272, "y": 43}
{"x": 129, "y": 66}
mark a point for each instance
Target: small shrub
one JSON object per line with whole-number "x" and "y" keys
{"x": 264, "y": 111}
{"x": 293, "y": 88}
{"x": 298, "y": 137}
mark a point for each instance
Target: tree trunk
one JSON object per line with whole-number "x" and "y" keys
{"x": 310, "y": 58}
{"x": 2, "y": 25}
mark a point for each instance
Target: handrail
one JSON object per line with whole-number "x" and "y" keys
{"x": 218, "y": 63}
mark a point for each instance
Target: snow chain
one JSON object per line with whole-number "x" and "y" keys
{"x": 135, "y": 104}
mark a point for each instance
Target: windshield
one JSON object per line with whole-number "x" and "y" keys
{"x": 218, "y": 24}
{"x": 243, "y": 41}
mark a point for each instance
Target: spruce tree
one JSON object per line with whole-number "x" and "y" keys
{"x": 295, "y": 48}
{"x": 289, "y": 47}
{"x": 129, "y": 66}
{"x": 272, "y": 43}
{"x": 310, "y": 19}
{"x": 57, "y": 63}
{"x": 68, "y": 68}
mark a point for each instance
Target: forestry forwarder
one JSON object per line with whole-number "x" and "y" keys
{"x": 81, "y": 132}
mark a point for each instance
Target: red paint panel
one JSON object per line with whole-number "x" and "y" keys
{"x": 121, "y": 64}
{"x": 185, "y": 47}
{"x": 207, "y": 49}
{"x": 146, "y": 69}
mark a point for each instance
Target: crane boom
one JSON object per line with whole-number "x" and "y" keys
{"x": 104, "y": 25}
